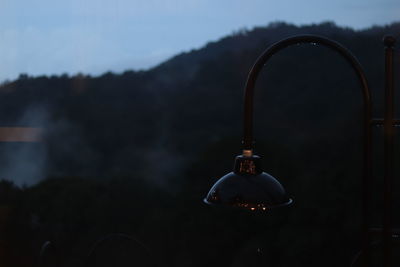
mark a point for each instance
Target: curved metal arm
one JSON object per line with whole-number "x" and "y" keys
{"x": 367, "y": 151}
{"x": 273, "y": 49}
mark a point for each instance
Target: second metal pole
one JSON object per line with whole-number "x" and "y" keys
{"x": 389, "y": 42}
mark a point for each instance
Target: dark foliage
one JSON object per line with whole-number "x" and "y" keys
{"x": 136, "y": 152}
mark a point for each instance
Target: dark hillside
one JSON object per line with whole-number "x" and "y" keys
{"x": 136, "y": 152}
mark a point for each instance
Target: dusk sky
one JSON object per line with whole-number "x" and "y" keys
{"x": 94, "y": 36}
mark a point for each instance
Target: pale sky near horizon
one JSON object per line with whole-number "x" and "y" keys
{"x": 45, "y": 37}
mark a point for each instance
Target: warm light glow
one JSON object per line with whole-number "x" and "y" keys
{"x": 247, "y": 152}
{"x": 251, "y": 206}
{"x": 21, "y": 134}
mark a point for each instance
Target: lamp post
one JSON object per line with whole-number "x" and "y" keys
{"x": 251, "y": 188}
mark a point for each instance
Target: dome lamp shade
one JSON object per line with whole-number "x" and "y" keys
{"x": 248, "y": 187}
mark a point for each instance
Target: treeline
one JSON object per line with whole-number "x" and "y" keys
{"x": 136, "y": 152}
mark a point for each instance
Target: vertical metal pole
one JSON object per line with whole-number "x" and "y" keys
{"x": 366, "y": 191}
{"x": 389, "y": 42}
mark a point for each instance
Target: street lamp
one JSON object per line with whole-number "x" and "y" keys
{"x": 250, "y": 188}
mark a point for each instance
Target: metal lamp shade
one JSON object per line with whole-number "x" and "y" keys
{"x": 248, "y": 187}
